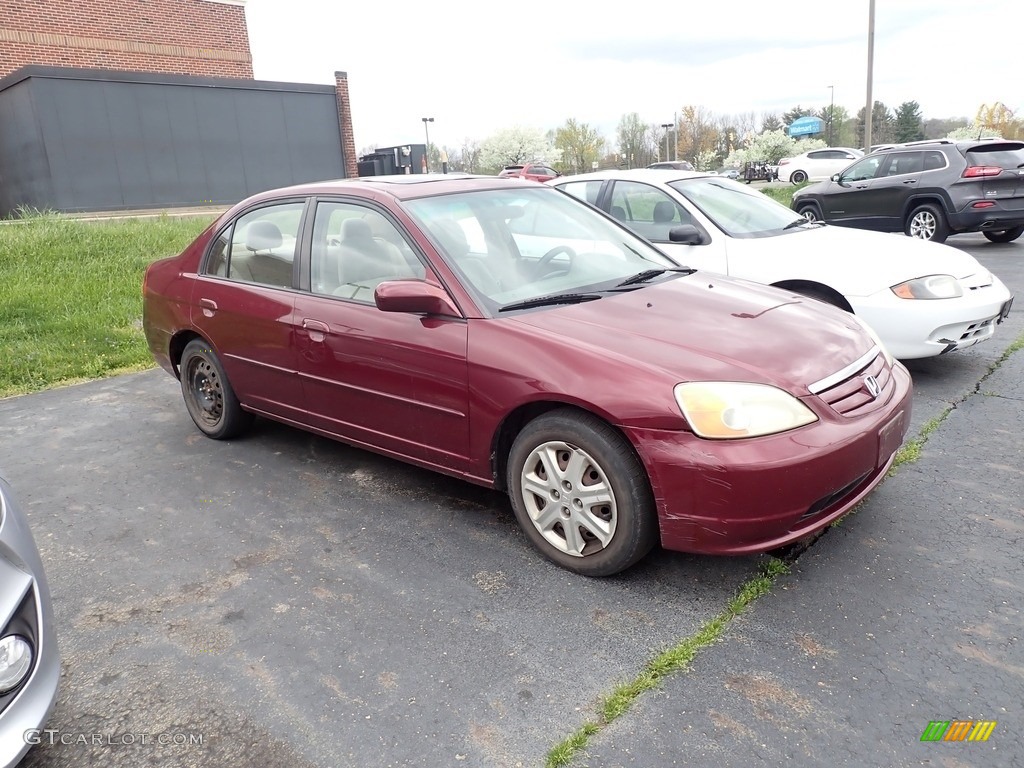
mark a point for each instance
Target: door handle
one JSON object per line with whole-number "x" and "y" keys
{"x": 209, "y": 307}
{"x": 910, "y": 181}
{"x": 861, "y": 186}
{"x": 317, "y": 330}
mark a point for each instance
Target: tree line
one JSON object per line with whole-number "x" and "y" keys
{"x": 710, "y": 141}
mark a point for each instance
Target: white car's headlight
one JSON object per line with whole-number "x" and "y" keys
{"x": 930, "y": 287}
{"x": 732, "y": 409}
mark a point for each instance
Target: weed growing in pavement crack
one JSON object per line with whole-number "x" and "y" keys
{"x": 668, "y": 662}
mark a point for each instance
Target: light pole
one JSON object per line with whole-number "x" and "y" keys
{"x": 426, "y": 149}
{"x": 831, "y": 113}
{"x": 666, "y": 126}
{"x": 869, "y": 108}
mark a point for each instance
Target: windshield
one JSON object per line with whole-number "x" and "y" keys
{"x": 514, "y": 245}
{"x": 736, "y": 209}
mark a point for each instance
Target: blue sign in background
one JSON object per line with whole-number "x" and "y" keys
{"x": 805, "y": 126}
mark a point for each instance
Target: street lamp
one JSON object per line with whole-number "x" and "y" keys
{"x": 831, "y": 113}
{"x": 426, "y": 150}
{"x": 666, "y": 126}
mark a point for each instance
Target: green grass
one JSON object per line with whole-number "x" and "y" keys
{"x": 668, "y": 662}
{"x": 70, "y": 295}
{"x": 781, "y": 194}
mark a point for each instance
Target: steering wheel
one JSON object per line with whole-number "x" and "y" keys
{"x": 546, "y": 259}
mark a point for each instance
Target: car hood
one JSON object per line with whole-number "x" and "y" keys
{"x": 855, "y": 262}
{"x": 706, "y": 327}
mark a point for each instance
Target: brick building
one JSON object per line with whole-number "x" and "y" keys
{"x": 80, "y": 63}
{"x": 185, "y": 37}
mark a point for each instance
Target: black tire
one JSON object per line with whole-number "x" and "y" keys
{"x": 809, "y": 208}
{"x": 820, "y": 295}
{"x": 927, "y": 222}
{"x": 798, "y": 177}
{"x": 208, "y": 395}
{"x": 604, "y": 457}
{"x": 1003, "y": 235}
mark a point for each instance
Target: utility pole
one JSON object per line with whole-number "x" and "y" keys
{"x": 869, "y": 109}
{"x": 831, "y": 113}
{"x": 666, "y": 126}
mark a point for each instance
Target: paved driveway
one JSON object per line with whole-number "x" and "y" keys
{"x": 283, "y": 600}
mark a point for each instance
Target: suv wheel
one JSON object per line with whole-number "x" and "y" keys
{"x": 1004, "y": 235}
{"x": 809, "y": 211}
{"x": 926, "y": 222}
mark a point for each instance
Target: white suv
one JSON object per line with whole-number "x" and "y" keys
{"x": 817, "y": 164}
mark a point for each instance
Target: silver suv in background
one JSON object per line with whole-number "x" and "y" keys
{"x": 29, "y": 663}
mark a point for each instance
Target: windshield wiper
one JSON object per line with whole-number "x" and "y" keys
{"x": 557, "y": 298}
{"x": 797, "y": 223}
{"x": 647, "y": 274}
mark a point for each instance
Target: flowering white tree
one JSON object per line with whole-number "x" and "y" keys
{"x": 770, "y": 147}
{"x": 515, "y": 146}
{"x": 972, "y": 132}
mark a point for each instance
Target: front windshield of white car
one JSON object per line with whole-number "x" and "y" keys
{"x": 515, "y": 245}
{"x": 737, "y": 209}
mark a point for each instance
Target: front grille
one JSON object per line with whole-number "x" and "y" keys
{"x": 824, "y": 503}
{"x": 852, "y": 397}
{"x": 982, "y": 328}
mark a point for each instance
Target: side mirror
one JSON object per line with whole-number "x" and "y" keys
{"x": 837, "y": 178}
{"x": 685, "y": 234}
{"x": 414, "y": 297}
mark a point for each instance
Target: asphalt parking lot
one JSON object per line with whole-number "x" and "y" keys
{"x": 283, "y": 600}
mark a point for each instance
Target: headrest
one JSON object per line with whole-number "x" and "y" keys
{"x": 451, "y": 236}
{"x": 262, "y": 236}
{"x": 356, "y": 229}
{"x": 663, "y": 211}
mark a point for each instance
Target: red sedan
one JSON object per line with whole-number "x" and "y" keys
{"x": 508, "y": 334}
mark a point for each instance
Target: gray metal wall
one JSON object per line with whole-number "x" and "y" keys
{"x": 91, "y": 140}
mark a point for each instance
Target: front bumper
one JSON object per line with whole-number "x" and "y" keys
{"x": 913, "y": 328}
{"x": 736, "y": 497}
{"x": 25, "y": 610}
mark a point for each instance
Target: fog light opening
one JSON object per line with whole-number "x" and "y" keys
{"x": 15, "y": 662}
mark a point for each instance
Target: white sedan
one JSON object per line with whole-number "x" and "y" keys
{"x": 817, "y": 164}
{"x": 921, "y": 298}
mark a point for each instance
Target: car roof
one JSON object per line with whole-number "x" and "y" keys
{"x": 661, "y": 175}
{"x": 398, "y": 186}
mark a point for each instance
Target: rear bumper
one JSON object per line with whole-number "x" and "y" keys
{"x": 996, "y": 218}
{"x": 747, "y": 496}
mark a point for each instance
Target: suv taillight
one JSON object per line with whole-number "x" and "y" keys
{"x": 975, "y": 171}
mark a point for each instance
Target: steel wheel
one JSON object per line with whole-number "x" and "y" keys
{"x": 208, "y": 395}
{"x": 569, "y": 499}
{"x": 580, "y": 493}
{"x": 205, "y": 392}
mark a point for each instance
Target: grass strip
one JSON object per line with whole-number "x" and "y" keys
{"x": 911, "y": 450}
{"x": 668, "y": 662}
{"x": 71, "y": 298}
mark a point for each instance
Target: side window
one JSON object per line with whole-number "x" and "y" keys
{"x": 905, "y": 162}
{"x": 263, "y": 245}
{"x": 865, "y": 169}
{"x": 355, "y": 249}
{"x": 584, "y": 190}
{"x": 933, "y": 160}
{"x": 647, "y": 210}
{"x": 820, "y": 155}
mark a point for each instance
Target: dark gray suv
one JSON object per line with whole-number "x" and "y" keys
{"x": 927, "y": 189}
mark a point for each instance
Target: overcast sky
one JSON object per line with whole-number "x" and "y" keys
{"x": 477, "y": 67}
